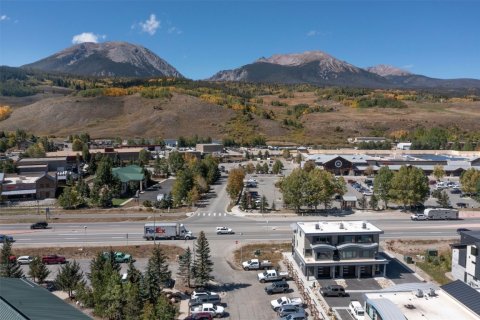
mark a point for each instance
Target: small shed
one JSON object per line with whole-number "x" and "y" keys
{"x": 349, "y": 202}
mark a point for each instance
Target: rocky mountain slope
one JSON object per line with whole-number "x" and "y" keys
{"x": 107, "y": 59}
{"x": 313, "y": 67}
{"x": 319, "y": 68}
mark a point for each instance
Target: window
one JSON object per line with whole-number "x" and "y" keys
{"x": 308, "y": 253}
{"x": 322, "y": 239}
{"x": 349, "y": 254}
{"x": 323, "y": 256}
{"x": 474, "y": 251}
{"x": 346, "y": 239}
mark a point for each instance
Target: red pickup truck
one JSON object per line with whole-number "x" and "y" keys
{"x": 53, "y": 259}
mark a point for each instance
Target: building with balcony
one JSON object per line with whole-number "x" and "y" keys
{"x": 338, "y": 249}
{"x": 464, "y": 258}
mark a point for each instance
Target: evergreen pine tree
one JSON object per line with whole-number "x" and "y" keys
{"x": 101, "y": 270}
{"x": 156, "y": 275}
{"x": 133, "y": 274}
{"x": 133, "y": 301}
{"x": 243, "y": 202}
{"x": 69, "y": 276}
{"x": 9, "y": 268}
{"x": 203, "y": 263}
{"x": 38, "y": 270}
{"x": 148, "y": 312}
{"x": 185, "y": 267}
{"x": 163, "y": 309}
{"x": 114, "y": 298}
{"x": 273, "y": 207}
{"x": 373, "y": 202}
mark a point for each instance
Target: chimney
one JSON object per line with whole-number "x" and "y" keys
{"x": 341, "y": 225}
{"x": 364, "y": 225}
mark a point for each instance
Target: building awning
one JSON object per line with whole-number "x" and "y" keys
{"x": 349, "y": 198}
{"x": 18, "y": 192}
{"x": 358, "y": 245}
{"x": 322, "y": 246}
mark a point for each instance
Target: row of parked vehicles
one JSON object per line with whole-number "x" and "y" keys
{"x": 287, "y": 308}
{"x": 205, "y": 305}
{"x": 119, "y": 257}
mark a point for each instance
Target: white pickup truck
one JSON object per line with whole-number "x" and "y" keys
{"x": 255, "y": 264}
{"x": 214, "y": 310}
{"x": 272, "y": 275}
{"x": 278, "y": 303}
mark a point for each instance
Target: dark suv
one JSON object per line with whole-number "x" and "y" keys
{"x": 333, "y": 290}
{"x": 39, "y": 225}
{"x": 277, "y": 287}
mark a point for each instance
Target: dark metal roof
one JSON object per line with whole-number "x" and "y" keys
{"x": 34, "y": 302}
{"x": 464, "y": 294}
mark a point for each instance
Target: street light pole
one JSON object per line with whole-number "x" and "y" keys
{"x": 85, "y": 237}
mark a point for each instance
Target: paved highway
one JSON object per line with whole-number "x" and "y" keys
{"x": 395, "y": 225}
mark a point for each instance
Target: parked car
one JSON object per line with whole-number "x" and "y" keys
{"x": 461, "y": 204}
{"x": 215, "y": 311}
{"x": 4, "y": 237}
{"x": 277, "y": 287}
{"x": 200, "y": 316}
{"x": 333, "y": 290}
{"x": 119, "y": 257}
{"x": 39, "y": 225}
{"x": 287, "y": 309}
{"x": 196, "y": 294}
{"x": 295, "y": 316}
{"x": 24, "y": 259}
{"x": 54, "y": 259}
{"x": 224, "y": 230}
{"x": 213, "y": 299}
{"x": 356, "y": 310}
{"x": 278, "y": 303}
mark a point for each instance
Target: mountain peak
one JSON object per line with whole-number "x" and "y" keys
{"x": 121, "y": 59}
{"x": 297, "y": 59}
{"x": 387, "y": 70}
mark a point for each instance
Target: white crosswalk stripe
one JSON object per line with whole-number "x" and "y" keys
{"x": 208, "y": 214}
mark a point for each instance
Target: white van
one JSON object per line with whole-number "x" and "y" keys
{"x": 356, "y": 310}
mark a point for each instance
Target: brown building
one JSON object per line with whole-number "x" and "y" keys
{"x": 209, "y": 147}
{"x": 32, "y": 187}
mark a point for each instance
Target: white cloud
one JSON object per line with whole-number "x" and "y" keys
{"x": 312, "y": 33}
{"x": 174, "y": 30}
{"x": 151, "y": 25}
{"x": 4, "y": 17}
{"x": 88, "y": 37}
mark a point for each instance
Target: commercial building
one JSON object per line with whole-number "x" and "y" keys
{"x": 464, "y": 258}
{"x": 420, "y": 301}
{"x": 338, "y": 249}
{"x": 209, "y": 148}
{"x": 35, "y": 186}
{"x": 358, "y": 164}
{"x": 21, "y": 299}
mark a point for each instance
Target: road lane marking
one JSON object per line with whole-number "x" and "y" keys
{"x": 118, "y": 237}
{"x": 23, "y": 239}
{"x": 72, "y": 238}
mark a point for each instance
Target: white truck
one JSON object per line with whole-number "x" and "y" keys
{"x": 166, "y": 230}
{"x": 214, "y": 310}
{"x": 255, "y": 264}
{"x": 278, "y": 303}
{"x": 272, "y": 275}
{"x": 436, "y": 214}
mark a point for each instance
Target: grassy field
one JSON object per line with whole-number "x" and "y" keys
{"x": 268, "y": 251}
{"x": 118, "y": 201}
{"x": 137, "y": 251}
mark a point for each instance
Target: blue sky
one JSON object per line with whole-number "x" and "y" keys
{"x": 435, "y": 38}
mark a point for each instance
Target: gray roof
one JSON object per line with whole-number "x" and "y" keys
{"x": 35, "y": 302}
{"x": 465, "y": 294}
{"x": 387, "y": 309}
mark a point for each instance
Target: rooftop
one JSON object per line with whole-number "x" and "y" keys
{"x": 22, "y": 299}
{"x": 336, "y": 227}
{"x": 441, "y": 306}
{"x": 129, "y": 173}
{"x": 69, "y": 153}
